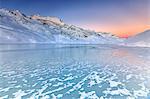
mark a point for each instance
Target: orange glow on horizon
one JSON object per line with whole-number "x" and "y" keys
{"x": 123, "y": 31}
{"x": 127, "y": 26}
{"x": 127, "y": 31}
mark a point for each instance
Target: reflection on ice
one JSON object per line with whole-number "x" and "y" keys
{"x": 85, "y": 71}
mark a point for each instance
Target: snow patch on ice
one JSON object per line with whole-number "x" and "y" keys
{"x": 19, "y": 94}
{"x": 89, "y": 95}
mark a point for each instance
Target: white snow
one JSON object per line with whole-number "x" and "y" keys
{"x": 129, "y": 76}
{"x": 19, "y": 94}
{"x": 16, "y": 27}
{"x": 89, "y": 95}
{"x": 114, "y": 83}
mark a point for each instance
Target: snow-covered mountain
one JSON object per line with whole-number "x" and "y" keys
{"x": 142, "y": 39}
{"x": 16, "y": 27}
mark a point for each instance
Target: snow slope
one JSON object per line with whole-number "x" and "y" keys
{"x": 142, "y": 39}
{"x": 16, "y": 27}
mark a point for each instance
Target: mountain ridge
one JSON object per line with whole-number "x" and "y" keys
{"x": 17, "y": 27}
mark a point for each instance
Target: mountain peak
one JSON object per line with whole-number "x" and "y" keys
{"x": 48, "y": 20}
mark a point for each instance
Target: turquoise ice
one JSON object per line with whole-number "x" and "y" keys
{"x": 74, "y": 72}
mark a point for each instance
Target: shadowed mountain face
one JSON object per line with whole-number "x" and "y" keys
{"x": 142, "y": 39}
{"x": 16, "y": 27}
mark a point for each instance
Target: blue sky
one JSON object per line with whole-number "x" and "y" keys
{"x": 122, "y": 17}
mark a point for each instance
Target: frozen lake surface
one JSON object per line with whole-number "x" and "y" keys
{"x": 74, "y": 72}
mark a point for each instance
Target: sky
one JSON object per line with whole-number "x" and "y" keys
{"x": 121, "y": 17}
